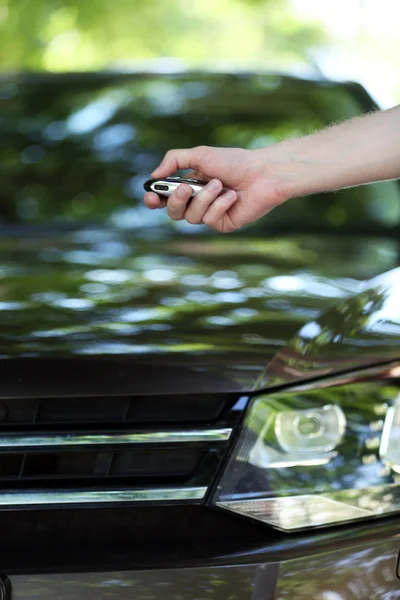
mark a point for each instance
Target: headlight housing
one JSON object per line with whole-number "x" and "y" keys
{"x": 313, "y": 457}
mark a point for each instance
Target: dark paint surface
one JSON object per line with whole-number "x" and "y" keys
{"x": 185, "y": 584}
{"x": 363, "y": 329}
{"x": 359, "y": 572}
{"x": 362, "y": 572}
{"x": 91, "y": 310}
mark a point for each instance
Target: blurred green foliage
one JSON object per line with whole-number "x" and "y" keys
{"x": 122, "y": 279}
{"x": 73, "y": 35}
{"x": 80, "y": 146}
{"x": 150, "y": 291}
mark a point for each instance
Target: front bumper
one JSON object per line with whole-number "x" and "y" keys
{"x": 356, "y": 564}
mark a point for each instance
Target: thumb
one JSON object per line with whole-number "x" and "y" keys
{"x": 185, "y": 158}
{"x": 196, "y": 175}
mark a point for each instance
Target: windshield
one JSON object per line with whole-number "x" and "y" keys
{"x": 78, "y": 147}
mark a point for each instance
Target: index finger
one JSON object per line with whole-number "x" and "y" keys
{"x": 152, "y": 200}
{"x": 184, "y": 158}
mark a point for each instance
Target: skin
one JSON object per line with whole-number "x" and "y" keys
{"x": 355, "y": 152}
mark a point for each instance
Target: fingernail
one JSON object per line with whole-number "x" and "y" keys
{"x": 230, "y": 195}
{"x": 214, "y": 185}
{"x": 182, "y": 191}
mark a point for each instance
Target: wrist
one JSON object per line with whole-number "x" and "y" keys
{"x": 282, "y": 167}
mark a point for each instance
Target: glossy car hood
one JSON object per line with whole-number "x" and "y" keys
{"x": 360, "y": 331}
{"x": 103, "y": 311}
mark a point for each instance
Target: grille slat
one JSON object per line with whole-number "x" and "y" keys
{"x": 54, "y": 440}
{"x": 61, "y": 498}
{"x": 96, "y": 450}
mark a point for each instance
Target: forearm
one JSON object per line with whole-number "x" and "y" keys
{"x": 355, "y": 152}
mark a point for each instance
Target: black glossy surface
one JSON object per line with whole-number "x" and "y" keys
{"x": 364, "y": 569}
{"x": 182, "y": 308}
{"x": 181, "y": 463}
{"x": 143, "y": 536}
{"x": 359, "y": 573}
{"x": 178, "y": 466}
{"x": 150, "y": 538}
{"x": 361, "y": 330}
{"x": 117, "y": 412}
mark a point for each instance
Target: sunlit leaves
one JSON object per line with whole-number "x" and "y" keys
{"x": 47, "y": 34}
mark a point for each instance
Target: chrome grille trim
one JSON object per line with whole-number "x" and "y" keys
{"x": 27, "y": 498}
{"x": 15, "y": 441}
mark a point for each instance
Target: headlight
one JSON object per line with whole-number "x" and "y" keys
{"x": 307, "y": 458}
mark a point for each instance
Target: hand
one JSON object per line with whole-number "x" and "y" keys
{"x": 251, "y": 192}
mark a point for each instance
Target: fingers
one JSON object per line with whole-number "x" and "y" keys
{"x": 187, "y": 158}
{"x": 202, "y": 201}
{"x": 208, "y": 206}
{"x": 178, "y": 201}
{"x": 178, "y": 204}
{"x": 152, "y": 200}
{"x": 217, "y": 216}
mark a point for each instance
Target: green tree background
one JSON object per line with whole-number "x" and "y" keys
{"x": 70, "y": 35}
{"x": 73, "y": 35}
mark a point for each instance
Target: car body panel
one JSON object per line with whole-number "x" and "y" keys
{"x": 364, "y": 570}
{"x": 84, "y": 299}
{"x": 207, "y": 583}
{"x": 362, "y": 330}
{"x": 361, "y": 572}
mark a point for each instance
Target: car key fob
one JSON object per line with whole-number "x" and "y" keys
{"x": 165, "y": 186}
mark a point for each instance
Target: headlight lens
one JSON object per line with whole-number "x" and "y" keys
{"x": 308, "y": 458}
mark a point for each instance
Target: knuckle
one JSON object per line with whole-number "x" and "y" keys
{"x": 185, "y": 189}
{"x": 175, "y": 217}
{"x": 174, "y": 212}
{"x": 201, "y": 155}
{"x": 208, "y": 221}
{"x": 202, "y": 149}
{"x": 192, "y": 220}
{"x": 172, "y": 208}
{"x": 170, "y": 159}
{"x": 212, "y": 189}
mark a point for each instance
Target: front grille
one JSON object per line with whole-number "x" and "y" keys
{"x": 112, "y": 449}
{"x": 78, "y": 411}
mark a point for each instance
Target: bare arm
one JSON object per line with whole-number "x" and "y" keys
{"x": 355, "y": 152}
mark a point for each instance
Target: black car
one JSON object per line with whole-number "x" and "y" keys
{"x": 188, "y": 415}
